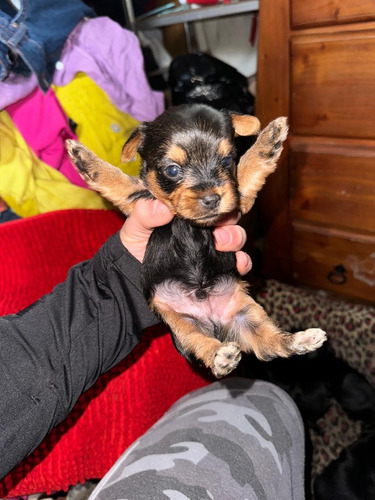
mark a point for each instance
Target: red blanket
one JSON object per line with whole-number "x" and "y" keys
{"x": 35, "y": 255}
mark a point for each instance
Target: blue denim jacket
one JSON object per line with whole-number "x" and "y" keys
{"x": 32, "y": 38}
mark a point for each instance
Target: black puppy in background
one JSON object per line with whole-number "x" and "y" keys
{"x": 190, "y": 164}
{"x": 352, "y": 475}
{"x": 313, "y": 381}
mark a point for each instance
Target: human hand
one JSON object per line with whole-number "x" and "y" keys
{"x": 148, "y": 214}
{"x": 229, "y": 237}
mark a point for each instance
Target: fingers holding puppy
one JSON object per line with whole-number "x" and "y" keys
{"x": 244, "y": 263}
{"x": 231, "y": 238}
{"x": 148, "y": 214}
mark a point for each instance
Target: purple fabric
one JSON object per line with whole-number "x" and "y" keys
{"x": 44, "y": 126}
{"x": 111, "y": 56}
{"x": 16, "y": 87}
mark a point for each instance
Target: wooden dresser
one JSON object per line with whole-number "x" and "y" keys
{"x": 317, "y": 66}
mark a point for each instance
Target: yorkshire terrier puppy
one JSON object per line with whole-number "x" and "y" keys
{"x": 189, "y": 163}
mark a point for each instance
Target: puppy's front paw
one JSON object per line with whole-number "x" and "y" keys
{"x": 270, "y": 140}
{"x": 308, "y": 340}
{"x": 84, "y": 159}
{"x": 226, "y": 359}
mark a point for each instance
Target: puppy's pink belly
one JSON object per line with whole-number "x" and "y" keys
{"x": 219, "y": 307}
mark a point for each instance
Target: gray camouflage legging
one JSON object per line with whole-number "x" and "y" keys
{"x": 236, "y": 439}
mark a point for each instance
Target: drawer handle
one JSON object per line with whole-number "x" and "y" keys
{"x": 338, "y": 275}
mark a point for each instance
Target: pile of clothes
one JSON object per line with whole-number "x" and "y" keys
{"x": 65, "y": 73}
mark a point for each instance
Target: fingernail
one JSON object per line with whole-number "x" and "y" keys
{"x": 243, "y": 262}
{"x": 247, "y": 260}
{"x": 223, "y": 237}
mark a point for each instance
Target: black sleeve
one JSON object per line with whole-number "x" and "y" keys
{"x": 56, "y": 348}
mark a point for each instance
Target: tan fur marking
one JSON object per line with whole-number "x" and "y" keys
{"x": 245, "y": 124}
{"x": 187, "y": 201}
{"x": 224, "y": 148}
{"x": 157, "y": 192}
{"x": 191, "y": 340}
{"x": 176, "y": 154}
{"x": 262, "y": 336}
{"x": 105, "y": 178}
{"x": 130, "y": 148}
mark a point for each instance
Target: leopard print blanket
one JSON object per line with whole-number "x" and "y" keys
{"x": 351, "y": 334}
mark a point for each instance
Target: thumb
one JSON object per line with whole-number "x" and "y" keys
{"x": 136, "y": 231}
{"x": 151, "y": 213}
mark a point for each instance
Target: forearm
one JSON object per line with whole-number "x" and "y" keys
{"x": 54, "y": 350}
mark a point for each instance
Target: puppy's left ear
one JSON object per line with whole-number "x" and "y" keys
{"x": 245, "y": 124}
{"x": 131, "y": 146}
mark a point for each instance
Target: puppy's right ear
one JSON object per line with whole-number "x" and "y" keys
{"x": 132, "y": 145}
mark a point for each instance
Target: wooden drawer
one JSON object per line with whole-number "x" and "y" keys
{"x": 333, "y": 84}
{"x": 320, "y": 254}
{"x": 333, "y": 185}
{"x": 320, "y": 12}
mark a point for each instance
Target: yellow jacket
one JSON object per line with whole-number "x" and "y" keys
{"x": 101, "y": 126}
{"x": 30, "y": 186}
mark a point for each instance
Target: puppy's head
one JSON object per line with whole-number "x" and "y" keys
{"x": 189, "y": 160}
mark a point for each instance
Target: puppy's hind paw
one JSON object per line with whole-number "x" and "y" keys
{"x": 226, "y": 359}
{"x": 308, "y": 340}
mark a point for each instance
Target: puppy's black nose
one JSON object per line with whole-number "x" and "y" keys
{"x": 210, "y": 201}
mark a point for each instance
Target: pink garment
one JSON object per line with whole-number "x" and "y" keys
{"x": 16, "y": 87}
{"x": 44, "y": 126}
{"x": 111, "y": 56}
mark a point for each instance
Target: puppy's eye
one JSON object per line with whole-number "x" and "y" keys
{"x": 172, "y": 171}
{"x": 227, "y": 162}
